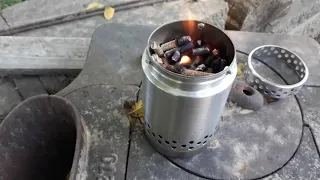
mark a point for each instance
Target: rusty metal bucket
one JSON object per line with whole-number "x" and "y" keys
{"x": 40, "y": 139}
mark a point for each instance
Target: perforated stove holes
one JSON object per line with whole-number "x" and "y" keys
{"x": 191, "y": 145}
{"x": 279, "y": 54}
{"x": 260, "y": 87}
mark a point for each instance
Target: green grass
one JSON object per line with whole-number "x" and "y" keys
{"x": 7, "y": 3}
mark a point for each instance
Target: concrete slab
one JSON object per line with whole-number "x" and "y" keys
{"x": 29, "y": 11}
{"x": 304, "y": 165}
{"x": 309, "y": 99}
{"x": 29, "y": 86}
{"x": 212, "y": 11}
{"x": 9, "y": 98}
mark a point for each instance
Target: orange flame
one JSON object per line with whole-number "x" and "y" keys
{"x": 190, "y": 23}
{"x": 185, "y": 60}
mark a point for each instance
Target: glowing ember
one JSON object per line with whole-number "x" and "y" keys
{"x": 185, "y": 60}
{"x": 215, "y": 52}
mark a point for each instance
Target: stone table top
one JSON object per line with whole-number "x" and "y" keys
{"x": 270, "y": 143}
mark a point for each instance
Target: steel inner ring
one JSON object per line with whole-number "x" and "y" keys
{"x": 270, "y": 88}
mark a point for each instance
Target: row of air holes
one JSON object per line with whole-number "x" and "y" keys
{"x": 274, "y": 51}
{"x": 296, "y": 68}
{"x": 273, "y": 92}
{"x": 175, "y": 142}
{"x": 266, "y": 91}
{"x": 286, "y": 56}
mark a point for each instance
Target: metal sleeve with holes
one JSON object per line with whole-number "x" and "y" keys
{"x": 269, "y": 88}
{"x": 182, "y": 112}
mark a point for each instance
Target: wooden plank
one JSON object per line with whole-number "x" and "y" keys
{"x": 42, "y": 55}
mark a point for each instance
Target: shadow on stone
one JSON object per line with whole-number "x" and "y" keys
{"x": 40, "y": 139}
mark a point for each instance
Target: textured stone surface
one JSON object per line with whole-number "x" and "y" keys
{"x": 300, "y": 11}
{"x": 3, "y": 25}
{"x": 9, "y": 98}
{"x": 143, "y": 158}
{"x": 295, "y": 17}
{"x": 40, "y": 55}
{"x": 301, "y": 14}
{"x": 310, "y": 101}
{"x": 102, "y": 109}
{"x": 267, "y": 11}
{"x": 307, "y": 48}
{"x": 46, "y": 9}
{"x": 249, "y": 146}
{"x": 310, "y": 28}
{"x": 213, "y": 11}
{"x": 238, "y": 12}
{"x": 54, "y": 84}
{"x": 29, "y": 86}
{"x": 304, "y": 165}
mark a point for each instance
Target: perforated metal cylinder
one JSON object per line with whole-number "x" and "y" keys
{"x": 279, "y": 54}
{"x": 182, "y": 112}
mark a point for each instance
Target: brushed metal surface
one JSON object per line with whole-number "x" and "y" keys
{"x": 181, "y": 112}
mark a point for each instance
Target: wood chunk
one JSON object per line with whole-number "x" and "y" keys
{"x": 189, "y": 72}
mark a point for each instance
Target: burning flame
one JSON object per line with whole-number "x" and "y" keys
{"x": 190, "y": 24}
{"x": 185, "y": 60}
